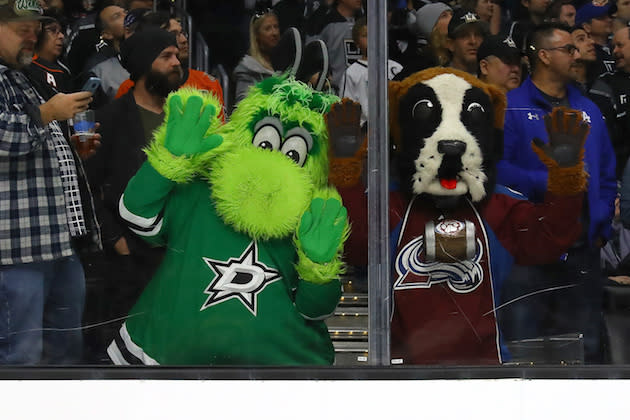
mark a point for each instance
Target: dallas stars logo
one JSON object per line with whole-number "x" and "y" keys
{"x": 240, "y": 278}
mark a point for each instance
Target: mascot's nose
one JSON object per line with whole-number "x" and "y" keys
{"x": 451, "y": 148}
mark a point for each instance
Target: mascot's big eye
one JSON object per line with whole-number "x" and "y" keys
{"x": 422, "y": 110}
{"x": 295, "y": 147}
{"x": 267, "y": 137}
{"x": 475, "y": 107}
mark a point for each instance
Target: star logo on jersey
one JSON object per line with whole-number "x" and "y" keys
{"x": 241, "y": 278}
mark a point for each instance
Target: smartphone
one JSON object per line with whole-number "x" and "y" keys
{"x": 91, "y": 85}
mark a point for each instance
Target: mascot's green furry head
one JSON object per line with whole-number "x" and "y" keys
{"x": 275, "y": 158}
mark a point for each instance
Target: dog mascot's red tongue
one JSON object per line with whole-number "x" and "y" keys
{"x": 449, "y": 184}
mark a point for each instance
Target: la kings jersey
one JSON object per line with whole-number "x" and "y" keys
{"x": 219, "y": 297}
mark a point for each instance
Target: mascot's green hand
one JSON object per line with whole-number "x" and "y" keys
{"x": 187, "y": 126}
{"x": 321, "y": 229}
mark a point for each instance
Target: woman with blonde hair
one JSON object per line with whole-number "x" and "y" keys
{"x": 264, "y": 34}
{"x": 429, "y": 27}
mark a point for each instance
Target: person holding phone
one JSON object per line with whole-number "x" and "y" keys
{"x": 42, "y": 284}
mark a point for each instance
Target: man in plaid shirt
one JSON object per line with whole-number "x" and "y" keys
{"x": 41, "y": 278}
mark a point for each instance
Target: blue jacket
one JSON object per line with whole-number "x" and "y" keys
{"x": 521, "y": 169}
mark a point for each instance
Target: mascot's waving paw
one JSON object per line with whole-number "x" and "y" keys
{"x": 564, "y": 154}
{"x": 187, "y": 126}
{"x": 185, "y": 144}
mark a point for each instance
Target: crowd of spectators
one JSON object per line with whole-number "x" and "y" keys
{"x": 541, "y": 53}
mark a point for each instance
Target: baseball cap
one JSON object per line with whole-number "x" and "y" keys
{"x": 593, "y": 10}
{"x": 427, "y": 16}
{"x": 15, "y": 10}
{"x": 499, "y": 46}
{"x": 462, "y": 18}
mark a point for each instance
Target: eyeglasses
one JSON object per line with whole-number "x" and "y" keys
{"x": 53, "y": 29}
{"x": 569, "y": 49}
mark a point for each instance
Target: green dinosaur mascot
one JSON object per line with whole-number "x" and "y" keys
{"x": 253, "y": 233}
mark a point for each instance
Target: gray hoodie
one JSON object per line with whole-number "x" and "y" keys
{"x": 248, "y": 72}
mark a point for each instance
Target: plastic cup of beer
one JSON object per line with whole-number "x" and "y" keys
{"x": 84, "y": 127}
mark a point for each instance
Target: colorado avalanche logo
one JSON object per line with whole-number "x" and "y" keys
{"x": 413, "y": 273}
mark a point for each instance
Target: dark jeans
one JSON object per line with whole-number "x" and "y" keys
{"x": 41, "y": 305}
{"x": 575, "y": 309}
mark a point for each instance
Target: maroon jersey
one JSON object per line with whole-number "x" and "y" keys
{"x": 443, "y": 312}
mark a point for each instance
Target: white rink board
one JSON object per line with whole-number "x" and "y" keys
{"x": 504, "y": 399}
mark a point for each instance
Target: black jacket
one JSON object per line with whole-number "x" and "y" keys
{"x": 116, "y": 161}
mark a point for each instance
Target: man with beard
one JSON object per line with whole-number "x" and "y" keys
{"x": 127, "y": 125}
{"x": 42, "y": 284}
{"x": 192, "y": 78}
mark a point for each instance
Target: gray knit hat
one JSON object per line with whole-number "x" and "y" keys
{"x": 426, "y": 18}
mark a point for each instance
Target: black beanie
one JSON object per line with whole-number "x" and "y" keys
{"x": 138, "y": 52}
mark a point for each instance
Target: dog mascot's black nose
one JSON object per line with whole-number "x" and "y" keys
{"x": 451, "y": 148}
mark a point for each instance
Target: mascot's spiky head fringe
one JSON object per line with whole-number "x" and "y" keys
{"x": 447, "y": 126}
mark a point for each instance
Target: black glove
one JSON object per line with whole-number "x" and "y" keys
{"x": 344, "y": 129}
{"x": 348, "y": 143}
{"x": 567, "y": 134}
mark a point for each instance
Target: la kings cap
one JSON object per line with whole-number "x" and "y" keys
{"x": 16, "y": 10}
{"x": 501, "y": 47}
{"x": 463, "y": 18}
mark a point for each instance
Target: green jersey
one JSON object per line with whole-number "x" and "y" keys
{"x": 219, "y": 297}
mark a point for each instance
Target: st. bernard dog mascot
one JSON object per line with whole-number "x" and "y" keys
{"x": 455, "y": 230}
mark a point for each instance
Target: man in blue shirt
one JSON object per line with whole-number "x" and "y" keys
{"x": 566, "y": 295}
